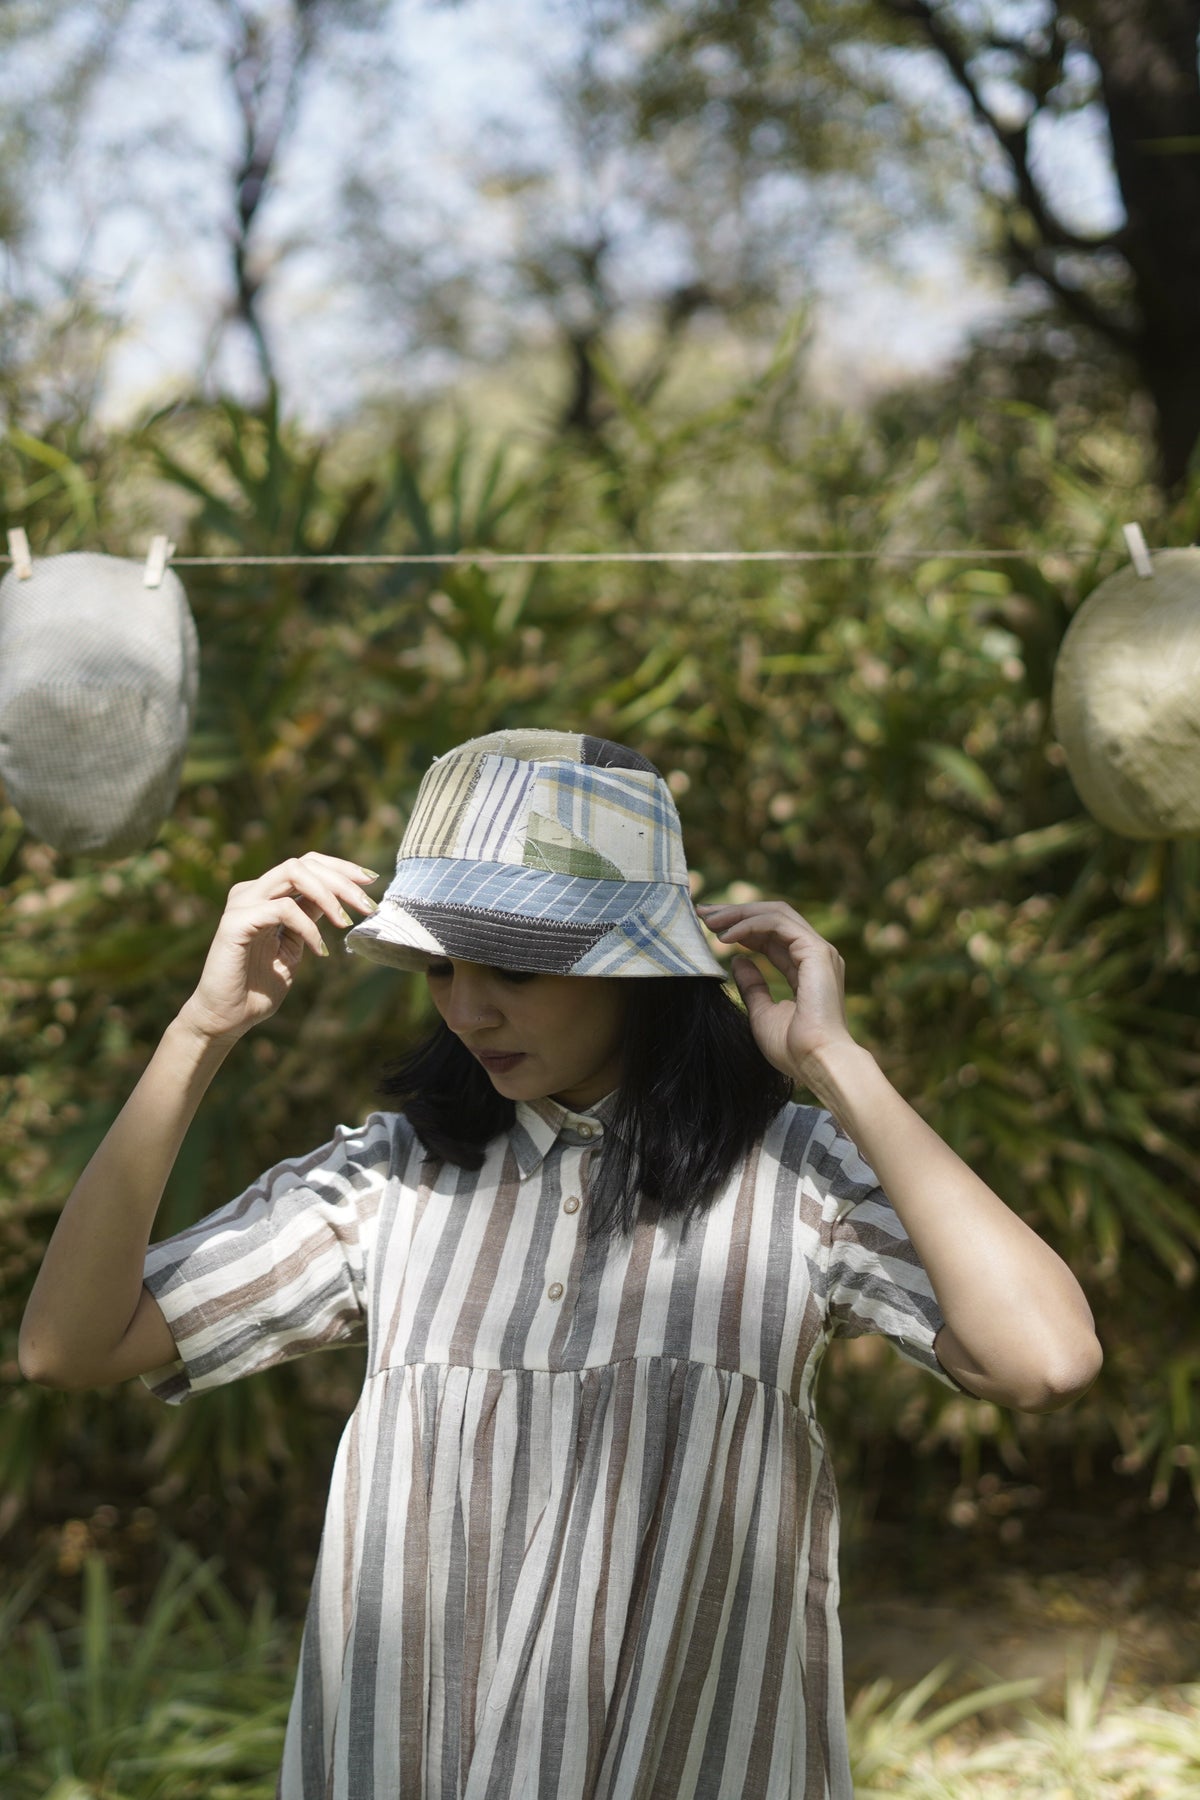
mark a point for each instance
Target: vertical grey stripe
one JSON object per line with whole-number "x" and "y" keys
{"x": 454, "y": 1622}
{"x": 502, "y": 1216}
{"x": 572, "y": 1344}
{"x": 314, "y": 1748}
{"x": 595, "y": 1400}
{"x": 747, "y": 1606}
{"x": 729, "y": 1325}
{"x": 478, "y": 1557}
{"x": 628, "y": 1330}
{"x": 685, "y": 1283}
{"x": 363, "y": 1649}
{"x": 790, "y": 1155}
{"x": 533, "y": 1275}
{"x": 414, "y": 1680}
{"x": 513, "y": 1549}
{"x": 624, "y": 1388}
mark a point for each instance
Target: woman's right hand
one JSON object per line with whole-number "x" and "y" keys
{"x": 262, "y": 936}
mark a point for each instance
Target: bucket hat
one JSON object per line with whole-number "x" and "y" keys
{"x": 548, "y": 851}
{"x": 98, "y": 684}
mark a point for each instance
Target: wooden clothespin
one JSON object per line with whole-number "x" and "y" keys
{"x": 161, "y": 551}
{"x": 18, "y": 549}
{"x": 1139, "y": 556}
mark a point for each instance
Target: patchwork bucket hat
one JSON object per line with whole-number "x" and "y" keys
{"x": 541, "y": 850}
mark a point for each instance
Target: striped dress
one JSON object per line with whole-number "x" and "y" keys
{"x": 581, "y": 1538}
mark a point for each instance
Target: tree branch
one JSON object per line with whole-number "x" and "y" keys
{"x": 1076, "y": 300}
{"x": 1012, "y": 140}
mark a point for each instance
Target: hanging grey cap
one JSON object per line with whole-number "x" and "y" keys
{"x": 98, "y": 680}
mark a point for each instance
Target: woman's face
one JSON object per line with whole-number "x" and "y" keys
{"x": 536, "y": 1035}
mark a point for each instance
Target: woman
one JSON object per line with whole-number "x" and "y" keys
{"x": 581, "y": 1537}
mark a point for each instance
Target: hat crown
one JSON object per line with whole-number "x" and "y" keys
{"x": 559, "y": 801}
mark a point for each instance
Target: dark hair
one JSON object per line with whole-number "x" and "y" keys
{"x": 696, "y": 1093}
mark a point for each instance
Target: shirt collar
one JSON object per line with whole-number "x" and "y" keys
{"x": 541, "y": 1123}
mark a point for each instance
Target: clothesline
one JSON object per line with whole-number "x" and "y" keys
{"x": 488, "y": 558}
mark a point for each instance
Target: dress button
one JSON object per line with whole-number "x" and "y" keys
{"x": 571, "y": 1205}
{"x": 554, "y": 1291}
{"x": 587, "y": 1131}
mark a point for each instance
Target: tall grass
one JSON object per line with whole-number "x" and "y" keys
{"x": 190, "y": 1703}
{"x": 1095, "y": 1745}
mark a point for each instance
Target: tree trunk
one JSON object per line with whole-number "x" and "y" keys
{"x": 1146, "y": 51}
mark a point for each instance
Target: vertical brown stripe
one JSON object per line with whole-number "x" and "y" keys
{"x": 482, "y": 1285}
{"x": 633, "y": 1291}
{"x": 624, "y": 1389}
{"x": 479, "y": 1540}
{"x": 794, "y": 1470}
{"x": 412, "y": 1699}
{"x": 430, "y": 1172}
{"x": 822, "y": 1576}
{"x": 729, "y": 1327}
{"x": 704, "y": 1642}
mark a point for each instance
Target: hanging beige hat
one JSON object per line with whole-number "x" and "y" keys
{"x": 1126, "y": 699}
{"x": 98, "y": 681}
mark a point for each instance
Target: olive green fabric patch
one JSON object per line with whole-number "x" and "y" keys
{"x": 550, "y": 845}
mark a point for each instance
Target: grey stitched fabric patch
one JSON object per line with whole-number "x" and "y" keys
{"x": 98, "y": 683}
{"x": 507, "y": 941}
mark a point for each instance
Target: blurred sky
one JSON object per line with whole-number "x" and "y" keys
{"x": 457, "y": 79}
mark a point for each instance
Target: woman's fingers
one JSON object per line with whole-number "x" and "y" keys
{"x": 295, "y": 919}
{"x": 327, "y": 883}
{"x": 771, "y": 927}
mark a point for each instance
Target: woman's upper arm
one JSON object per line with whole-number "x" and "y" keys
{"x": 147, "y": 1344}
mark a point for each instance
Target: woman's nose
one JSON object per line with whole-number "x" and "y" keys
{"x": 469, "y": 1004}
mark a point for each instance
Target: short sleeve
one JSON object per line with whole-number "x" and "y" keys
{"x": 874, "y": 1279}
{"x": 278, "y": 1272}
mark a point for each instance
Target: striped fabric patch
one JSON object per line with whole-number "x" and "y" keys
{"x": 611, "y": 824}
{"x": 625, "y": 815}
{"x": 581, "y": 1536}
{"x": 511, "y": 888}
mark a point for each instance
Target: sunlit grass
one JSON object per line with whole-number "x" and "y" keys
{"x": 191, "y": 1704}
{"x": 1096, "y": 1745}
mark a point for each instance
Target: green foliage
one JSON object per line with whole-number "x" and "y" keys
{"x": 187, "y": 1703}
{"x": 868, "y": 739}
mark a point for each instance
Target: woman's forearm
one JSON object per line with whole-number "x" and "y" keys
{"x": 1019, "y": 1329}
{"x": 90, "y": 1281}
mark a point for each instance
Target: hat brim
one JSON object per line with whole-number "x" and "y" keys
{"x": 507, "y": 916}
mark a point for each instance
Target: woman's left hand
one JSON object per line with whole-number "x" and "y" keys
{"x": 788, "y": 1032}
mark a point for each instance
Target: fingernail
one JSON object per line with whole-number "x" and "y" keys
{"x": 324, "y": 950}
{"x": 370, "y": 904}
{"x": 368, "y": 874}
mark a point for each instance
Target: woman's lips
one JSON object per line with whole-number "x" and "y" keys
{"x": 497, "y": 1063}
